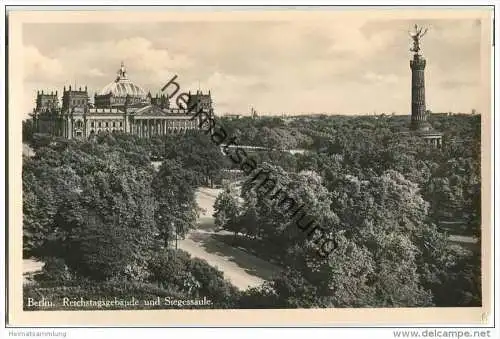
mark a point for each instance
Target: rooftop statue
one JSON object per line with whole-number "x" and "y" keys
{"x": 416, "y": 36}
{"x": 122, "y": 73}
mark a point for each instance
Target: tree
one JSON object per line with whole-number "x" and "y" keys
{"x": 288, "y": 290}
{"x": 197, "y": 153}
{"x": 248, "y": 222}
{"x": 28, "y": 130}
{"x": 119, "y": 209}
{"x": 227, "y": 210}
{"x": 177, "y": 209}
{"x": 91, "y": 208}
{"x": 375, "y": 261}
{"x": 452, "y": 273}
{"x": 176, "y": 268}
{"x": 39, "y": 209}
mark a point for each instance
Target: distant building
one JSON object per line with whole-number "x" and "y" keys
{"x": 120, "y": 106}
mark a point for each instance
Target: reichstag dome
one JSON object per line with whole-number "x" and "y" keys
{"x": 120, "y": 106}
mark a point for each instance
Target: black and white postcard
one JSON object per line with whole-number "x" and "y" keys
{"x": 250, "y": 167}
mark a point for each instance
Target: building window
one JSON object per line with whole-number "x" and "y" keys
{"x": 92, "y": 124}
{"x": 121, "y": 124}
{"x": 107, "y": 124}
{"x": 114, "y": 124}
{"x": 99, "y": 124}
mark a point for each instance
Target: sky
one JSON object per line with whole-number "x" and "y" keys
{"x": 292, "y": 67}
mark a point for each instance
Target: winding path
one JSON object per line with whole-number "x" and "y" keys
{"x": 242, "y": 269}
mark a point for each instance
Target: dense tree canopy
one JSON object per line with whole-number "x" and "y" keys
{"x": 98, "y": 210}
{"x": 382, "y": 193}
{"x": 175, "y": 194}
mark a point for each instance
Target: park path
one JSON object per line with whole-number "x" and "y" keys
{"x": 241, "y": 268}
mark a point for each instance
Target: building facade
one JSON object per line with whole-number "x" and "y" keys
{"x": 121, "y": 106}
